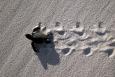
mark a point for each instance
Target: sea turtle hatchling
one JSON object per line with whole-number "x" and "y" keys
{"x": 39, "y": 35}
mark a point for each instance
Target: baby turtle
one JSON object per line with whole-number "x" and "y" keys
{"x": 39, "y": 35}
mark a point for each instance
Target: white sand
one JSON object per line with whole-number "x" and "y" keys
{"x": 82, "y": 51}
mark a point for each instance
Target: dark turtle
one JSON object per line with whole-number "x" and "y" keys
{"x": 38, "y": 36}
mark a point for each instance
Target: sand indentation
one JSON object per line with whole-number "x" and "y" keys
{"x": 112, "y": 43}
{"x": 79, "y": 31}
{"x": 84, "y": 37}
{"x": 94, "y": 41}
{"x": 108, "y": 50}
{"x": 71, "y": 40}
{"x": 65, "y": 50}
{"x": 87, "y": 51}
{"x": 101, "y": 31}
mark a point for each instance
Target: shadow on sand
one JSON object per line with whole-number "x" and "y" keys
{"x": 46, "y": 53}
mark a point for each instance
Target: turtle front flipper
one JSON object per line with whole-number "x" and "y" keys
{"x": 29, "y": 36}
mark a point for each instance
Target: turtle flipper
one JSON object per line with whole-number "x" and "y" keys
{"x": 29, "y": 36}
{"x": 38, "y": 28}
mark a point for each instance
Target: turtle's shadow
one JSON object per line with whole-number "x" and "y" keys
{"x": 46, "y": 53}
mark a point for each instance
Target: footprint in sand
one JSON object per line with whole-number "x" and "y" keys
{"x": 77, "y": 24}
{"x": 65, "y": 50}
{"x": 68, "y": 50}
{"x": 95, "y": 41}
{"x": 66, "y": 36}
{"x": 87, "y": 50}
{"x": 109, "y": 50}
{"x": 58, "y": 29}
{"x": 57, "y": 24}
{"x": 78, "y": 29}
{"x": 62, "y": 34}
{"x": 71, "y": 42}
{"x": 99, "y": 30}
{"x": 112, "y": 43}
{"x": 84, "y": 37}
{"x": 69, "y": 47}
{"x": 109, "y": 47}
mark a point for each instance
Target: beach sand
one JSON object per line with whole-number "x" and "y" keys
{"x": 84, "y": 38}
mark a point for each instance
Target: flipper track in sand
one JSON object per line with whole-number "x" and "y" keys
{"x": 70, "y": 40}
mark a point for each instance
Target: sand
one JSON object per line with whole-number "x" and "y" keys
{"x": 84, "y": 38}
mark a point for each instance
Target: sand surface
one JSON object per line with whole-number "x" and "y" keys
{"x": 84, "y": 38}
